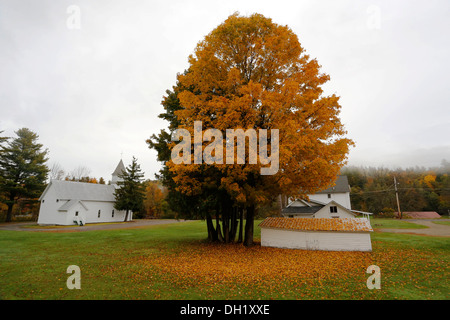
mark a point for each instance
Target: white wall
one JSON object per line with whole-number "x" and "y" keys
{"x": 48, "y": 211}
{"x": 70, "y": 214}
{"x": 341, "y": 198}
{"x": 316, "y": 240}
{"x": 325, "y": 212}
{"x": 91, "y": 215}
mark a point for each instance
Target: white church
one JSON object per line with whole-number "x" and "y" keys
{"x": 70, "y": 203}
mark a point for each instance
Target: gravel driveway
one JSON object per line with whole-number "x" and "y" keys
{"x": 140, "y": 223}
{"x": 433, "y": 229}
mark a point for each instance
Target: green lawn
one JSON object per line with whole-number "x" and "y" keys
{"x": 378, "y": 223}
{"x": 446, "y": 223}
{"x": 175, "y": 262}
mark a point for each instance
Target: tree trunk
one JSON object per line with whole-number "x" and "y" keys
{"x": 10, "y": 205}
{"x": 225, "y": 222}
{"x": 9, "y": 212}
{"x": 233, "y": 224}
{"x": 212, "y": 233}
{"x": 248, "y": 237}
{"x": 218, "y": 229}
{"x": 241, "y": 221}
{"x": 126, "y": 216}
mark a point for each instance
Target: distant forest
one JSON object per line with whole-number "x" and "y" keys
{"x": 419, "y": 189}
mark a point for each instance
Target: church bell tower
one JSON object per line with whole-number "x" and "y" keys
{"x": 119, "y": 170}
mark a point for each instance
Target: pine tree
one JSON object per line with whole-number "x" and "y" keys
{"x": 131, "y": 193}
{"x": 23, "y": 171}
{"x": 3, "y": 139}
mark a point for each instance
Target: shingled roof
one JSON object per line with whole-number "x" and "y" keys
{"x": 67, "y": 190}
{"x": 339, "y": 186}
{"x": 301, "y": 210}
{"x": 420, "y": 214}
{"x": 318, "y": 224}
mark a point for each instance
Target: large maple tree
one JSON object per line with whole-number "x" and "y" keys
{"x": 251, "y": 73}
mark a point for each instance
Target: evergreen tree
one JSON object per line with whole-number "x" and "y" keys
{"x": 131, "y": 193}
{"x": 3, "y": 139}
{"x": 185, "y": 205}
{"x": 23, "y": 171}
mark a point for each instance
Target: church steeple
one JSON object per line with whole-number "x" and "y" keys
{"x": 119, "y": 169}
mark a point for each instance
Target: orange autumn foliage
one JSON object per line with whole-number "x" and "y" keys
{"x": 251, "y": 73}
{"x": 429, "y": 179}
{"x": 207, "y": 267}
{"x": 154, "y": 197}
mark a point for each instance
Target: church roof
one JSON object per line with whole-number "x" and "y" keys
{"x": 67, "y": 190}
{"x": 120, "y": 167}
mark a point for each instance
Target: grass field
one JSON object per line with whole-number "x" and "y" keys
{"x": 175, "y": 262}
{"x": 394, "y": 224}
{"x": 445, "y": 222}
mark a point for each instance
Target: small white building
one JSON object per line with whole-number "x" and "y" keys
{"x": 316, "y": 209}
{"x": 330, "y": 234}
{"x": 69, "y": 202}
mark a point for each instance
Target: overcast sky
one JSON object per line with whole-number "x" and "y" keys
{"x": 89, "y": 76}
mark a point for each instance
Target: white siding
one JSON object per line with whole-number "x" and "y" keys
{"x": 70, "y": 214}
{"x": 48, "y": 211}
{"x": 325, "y": 212}
{"x": 297, "y": 203}
{"x": 316, "y": 240}
{"x": 105, "y": 212}
{"x": 341, "y": 198}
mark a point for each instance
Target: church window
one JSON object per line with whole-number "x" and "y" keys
{"x": 76, "y": 213}
{"x": 99, "y": 213}
{"x": 113, "y": 213}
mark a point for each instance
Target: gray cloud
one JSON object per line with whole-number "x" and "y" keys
{"x": 95, "y": 92}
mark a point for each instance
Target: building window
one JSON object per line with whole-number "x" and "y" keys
{"x": 329, "y": 196}
{"x": 113, "y": 213}
{"x": 57, "y": 200}
{"x": 43, "y": 201}
{"x": 333, "y": 209}
{"x": 76, "y": 213}
{"x": 99, "y": 213}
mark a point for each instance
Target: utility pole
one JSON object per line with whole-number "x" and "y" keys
{"x": 396, "y": 195}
